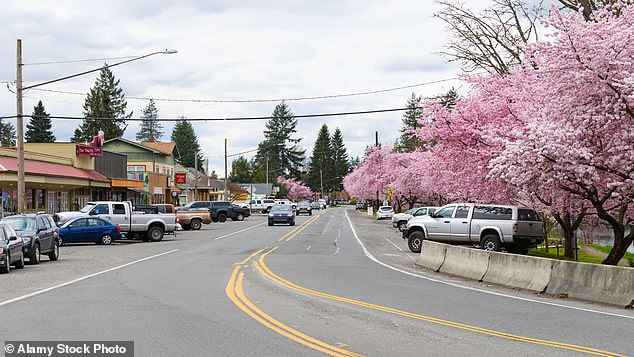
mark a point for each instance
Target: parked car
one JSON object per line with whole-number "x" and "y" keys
{"x": 11, "y": 249}
{"x": 187, "y": 219}
{"x": 39, "y": 234}
{"x": 399, "y": 220}
{"x": 304, "y": 207}
{"x": 286, "y": 202}
{"x": 490, "y": 227}
{"x": 361, "y": 205}
{"x": 315, "y": 205}
{"x": 323, "y": 203}
{"x": 282, "y": 214}
{"x": 220, "y": 210}
{"x": 384, "y": 212}
{"x": 89, "y": 229}
{"x": 263, "y": 205}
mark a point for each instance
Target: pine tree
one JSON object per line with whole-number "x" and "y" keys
{"x": 408, "y": 141}
{"x": 341, "y": 165}
{"x": 151, "y": 129}
{"x": 187, "y": 143}
{"x": 321, "y": 162}
{"x": 241, "y": 170}
{"x": 282, "y": 160}
{"x": 7, "y": 134}
{"x": 104, "y": 100}
{"x": 38, "y": 130}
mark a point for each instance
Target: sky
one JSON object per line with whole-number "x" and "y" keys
{"x": 235, "y": 59}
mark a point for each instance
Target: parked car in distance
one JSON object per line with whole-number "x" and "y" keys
{"x": 286, "y": 202}
{"x": 187, "y": 219}
{"x": 490, "y": 227}
{"x": 89, "y": 229}
{"x": 323, "y": 203}
{"x": 315, "y": 205}
{"x": 399, "y": 220}
{"x": 361, "y": 205}
{"x": 11, "y": 249}
{"x": 384, "y": 212}
{"x": 304, "y": 207}
{"x": 39, "y": 234}
{"x": 164, "y": 207}
{"x": 282, "y": 214}
{"x": 263, "y": 205}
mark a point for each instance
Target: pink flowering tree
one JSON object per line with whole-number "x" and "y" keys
{"x": 578, "y": 97}
{"x": 296, "y": 191}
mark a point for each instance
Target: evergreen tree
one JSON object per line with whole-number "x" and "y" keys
{"x": 408, "y": 141}
{"x": 151, "y": 129}
{"x": 340, "y": 163}
{"x": 7, "y": 134}
{"x": 241, "y": 170}
{"x": 185, "y": 138}
{"x": 321, "y": 162}
{"x": 282, "y": 160}
{"x": 104, "y": 100}
{"x": 38, "y": 130}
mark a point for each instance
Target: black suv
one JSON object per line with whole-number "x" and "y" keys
{"x": 39, "y": 233}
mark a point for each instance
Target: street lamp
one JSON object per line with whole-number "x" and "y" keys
{"x": 19, "y": 124}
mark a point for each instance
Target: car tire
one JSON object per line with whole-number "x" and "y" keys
{"x": 292, "y": 223}
{"x": 20, "y": 263}
{"x": 415, "y": 241}
{"x": 105, "y": 239}
{"x": 196, "y": 224}
{"x": 155, "y": 234}
{"x": 53, "y": 255}
{"x": 61, "y": 241}
{"x": 401, "y": 225}
{"x": 222, "y": 217}
{"x": 34, "y": 258}
{"x": 491, "y": 242}
{"x": 240, "y": 217}
{"x": 6, "y": 268}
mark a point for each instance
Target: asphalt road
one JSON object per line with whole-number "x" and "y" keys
{"x": 337, "y": 283}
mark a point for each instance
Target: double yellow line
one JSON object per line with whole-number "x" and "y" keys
{"x": 235, "y": 292}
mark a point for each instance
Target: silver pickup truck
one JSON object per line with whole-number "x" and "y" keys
{"x": 146, "y": 226}
{"x": 490, "y": 227}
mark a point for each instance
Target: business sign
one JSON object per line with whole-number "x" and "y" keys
{"x": 180, "y": 178}
{"x": 87, "y": 150}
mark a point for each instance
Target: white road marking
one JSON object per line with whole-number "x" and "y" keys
{"x": 369, "y": 255}
{"x": 82, "y": 278}
{"x": 240, "y": 231}
{"x": 392, "y": 243}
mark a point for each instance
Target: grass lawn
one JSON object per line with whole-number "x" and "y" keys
{"x": 552, "y": 254}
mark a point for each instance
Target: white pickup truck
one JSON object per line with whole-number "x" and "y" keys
{"x": 149, "y": 227}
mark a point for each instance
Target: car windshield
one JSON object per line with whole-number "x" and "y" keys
{"x": 281, "y": 208}
{"x": 411, "y": 211}
{"x": 20, "y": 223}
{"x": 87, "y": 208}
{"x": 303, "y": 203}
{"x": 385, "y": 208}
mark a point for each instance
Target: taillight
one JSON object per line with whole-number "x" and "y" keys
{"x": 118, "y": 228}
{"x": 178, "y": 220}
{"x": 515, "y": 228}
{"x": 1, "y": 250}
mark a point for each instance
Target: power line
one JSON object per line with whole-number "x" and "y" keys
{"x": 79, "y": 60}
{"x": 231, "y": 119}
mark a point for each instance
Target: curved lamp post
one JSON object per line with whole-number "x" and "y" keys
{"x": 19, "y": 117}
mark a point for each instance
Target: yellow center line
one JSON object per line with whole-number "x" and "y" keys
{"x": 288, "y": 236}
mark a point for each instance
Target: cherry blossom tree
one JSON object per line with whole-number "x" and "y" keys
{"x": 296, "y": 190}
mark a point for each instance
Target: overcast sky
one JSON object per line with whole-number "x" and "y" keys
{"x": 232, "y": 54}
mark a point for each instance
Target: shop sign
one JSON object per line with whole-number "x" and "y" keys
{"x": 181, "y": 178}
{"x": 87, "y": 150}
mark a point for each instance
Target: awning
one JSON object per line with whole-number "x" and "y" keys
{"x": 10, "y": 164}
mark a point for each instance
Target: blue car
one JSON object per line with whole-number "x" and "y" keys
{"x": 89, "y": 229}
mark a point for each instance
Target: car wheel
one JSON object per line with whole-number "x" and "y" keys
{"x": 196, "y": 224}
{"x": 240, "y": 217}
{"x": 415, "y": 241}
{"x": 155, "y": 234}
{"x": 60, "y": 241}
{"x": 35, "y": 257}
{"x": 491, "y": 242}
{"x": 401, "y": 225}
{"x": 20, "y": 263}
{"x": 292, "y": 223}
{"x": 6, "y": 268}
{"x": 53, "y": 255}
{"x": 222, "y": 217}
{"x": 105, "y": 239}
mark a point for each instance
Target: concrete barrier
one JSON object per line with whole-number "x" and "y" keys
{"x": 519, "y": 271}
{"x": 593, "y": 282}
{"x": 432, "y": 255}
{"x": 466, "y": 262}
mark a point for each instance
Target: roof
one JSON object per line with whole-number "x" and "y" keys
{"x": 166, "y": 148}
{"x": 49, "y": 169}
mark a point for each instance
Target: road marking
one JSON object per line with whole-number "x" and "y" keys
{"x": 240, "y": 231}
{"x": 392, "y": 243}
{"x": 264, "y": 270}
{"x": 369, "y": 255}
{"x": 235, "y": 292}
{"x": 83, "y": 278}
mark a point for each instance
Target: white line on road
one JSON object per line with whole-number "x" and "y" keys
{"x": 240, "y": 231}
{"x": 369, "y": 255}
{"x": 392, "y": 243}
{"x": 82, "y": 278}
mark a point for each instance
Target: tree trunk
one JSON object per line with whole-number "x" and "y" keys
{"x": 621, "y": 241}
{"x": 568, "y": 228}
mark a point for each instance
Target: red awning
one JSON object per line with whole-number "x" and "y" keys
{"x": 8, "y": 164}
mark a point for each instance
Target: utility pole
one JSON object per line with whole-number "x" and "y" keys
{"x": 376, "y": 144}
{"x": 321, "y": 183}
{"x": 19, "y": 125}
{"x": 226, "y": 170}
{"x": 267, "y": 176}
{"x": 195, "y": 176}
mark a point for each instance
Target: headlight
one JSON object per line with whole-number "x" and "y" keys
{"x": 271, "y": 214}
{"x": 290, "y": 214}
